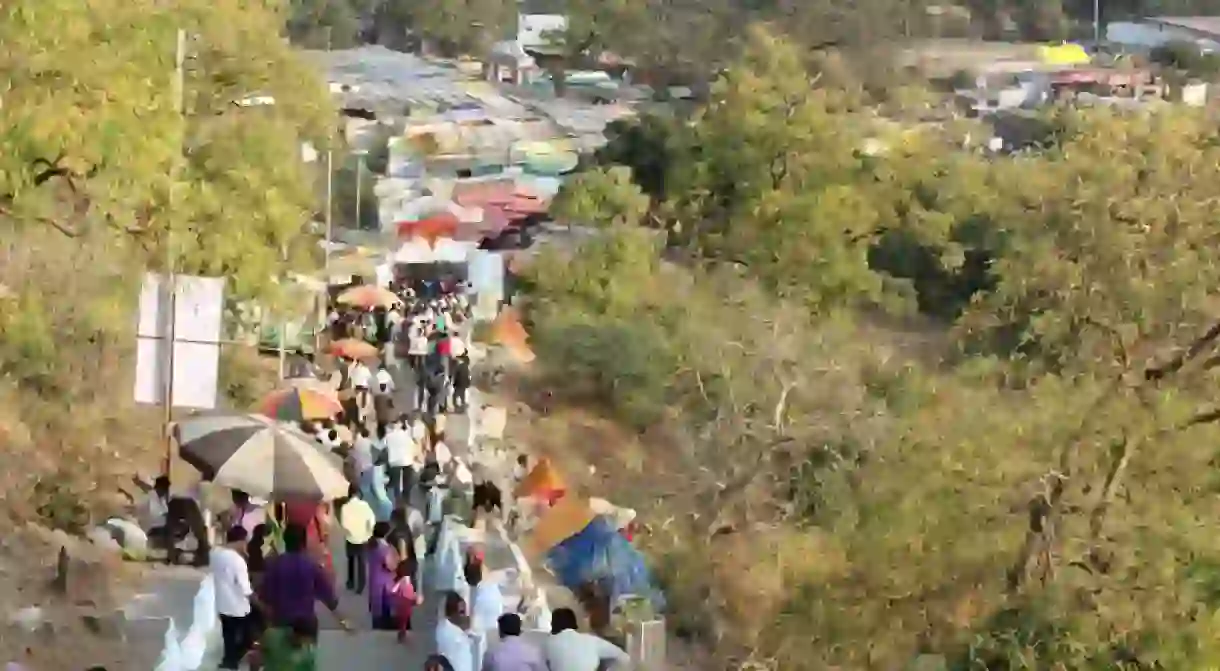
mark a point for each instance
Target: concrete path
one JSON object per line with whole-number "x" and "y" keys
{"x": 363, "y": 648}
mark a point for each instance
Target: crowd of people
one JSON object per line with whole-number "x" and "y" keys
{"x": 274, "y": 564}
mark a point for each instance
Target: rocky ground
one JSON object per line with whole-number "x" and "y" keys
{"x": 72, "y": 623}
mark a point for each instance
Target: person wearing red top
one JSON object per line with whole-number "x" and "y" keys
{"x": 315, "y": 519}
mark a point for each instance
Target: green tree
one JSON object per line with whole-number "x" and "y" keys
{"x": 768, "y": 179}
{"x": 648, "y": 145}
{"x": 326, "y": 24}
{"x": 601, "y": 197}
{"x": 101, "y": 179}
{"x": 461, "y": 28}
{"x": 239, "y": 177}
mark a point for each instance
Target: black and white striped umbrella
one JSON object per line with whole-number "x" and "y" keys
{"x": 260, "y": 456}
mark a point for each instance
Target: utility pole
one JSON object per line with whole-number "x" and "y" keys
{"x": 1096, "y": 24}
{"x": 330, "y": 219}
{"x": 171, "y": 261}
{"x": 360, "y": 153}
{"x": 283, "y": 344}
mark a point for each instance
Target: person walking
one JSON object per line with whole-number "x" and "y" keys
{"x": 362, "y": 461}
{"x": 404, "y": 599}
{"x": 245, "y": 513}
{"x": 402, "y": 456}
{"x": 231, "y": 581}
{"x": 437, "y": 663}
{"x": 362, "y": 383}
{"x": 294, "y": 582}
{"x": 452, "y": 640}
{"x": 568, "y": 649}
{"x": 357, "y": 519}
{"x": 461, "y": 382}
{"x": 513, "y": 653}
{"x": 436, "y": 382}
{"x": 382, "y": 569}
{"x": 417, "y": 348}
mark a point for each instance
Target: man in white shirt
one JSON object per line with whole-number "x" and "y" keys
{"x": 452, "y": 640}
{"x": 419, "y": 430}
{"x": 231, "y": 581}
{"x": 403, "y": 456}
{"x": 362, "y": 380}
{"x": 384, "y": 381}
{"x": 362, "y": 456}
{"x": 417, "y": 351}
{"x": 154, "y": 513}
{"x": 570, "y": 650}
{"x": 357, "y": 519}
{"x": 486, "y": 599}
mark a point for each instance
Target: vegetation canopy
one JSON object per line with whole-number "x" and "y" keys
{"x": 914, "y": 398}
{"x": 103, "y": 176}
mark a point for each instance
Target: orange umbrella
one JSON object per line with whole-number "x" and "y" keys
{"x": 543, "y": 482}
{"x": 295, "y": 404}
{"x": 368, "y": 296}
{"x": 559, "y": 523}
{"x": 350, "y": 348}
{"x": 508, "y": 331}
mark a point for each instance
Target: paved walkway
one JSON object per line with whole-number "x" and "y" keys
{"x": 363, "y": 648}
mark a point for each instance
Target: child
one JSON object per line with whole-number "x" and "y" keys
{"x": 405, "y": 599}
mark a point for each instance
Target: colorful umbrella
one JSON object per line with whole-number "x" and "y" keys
{"x": 350, "y": 348}
{"x": 259, "y": 456}
{"x": 295, "y": 404}
{"x": 368, "y": 296}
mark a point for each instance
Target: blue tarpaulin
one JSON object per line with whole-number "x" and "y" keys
{"x": 599, "y": 553}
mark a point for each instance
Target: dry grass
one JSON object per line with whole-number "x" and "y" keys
{"x": 73, "y": 436}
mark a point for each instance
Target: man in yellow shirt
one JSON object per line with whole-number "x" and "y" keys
{"x": 357, "y": 519}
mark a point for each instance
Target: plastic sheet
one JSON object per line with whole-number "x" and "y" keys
{"x": 187, "y": 652}
{"x": 599, "y": 553}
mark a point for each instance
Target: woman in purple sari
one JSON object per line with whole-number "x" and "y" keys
{"x": 383, "y": 560}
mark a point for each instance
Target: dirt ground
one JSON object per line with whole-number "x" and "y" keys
{"x": 76, "y": 630}
{"x": 597, "y": 457}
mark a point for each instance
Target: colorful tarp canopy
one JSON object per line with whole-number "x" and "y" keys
{"x": 368, "y": 296}
{"x": 559, "y": 523}
{"x": 508, "y": 332}
{"x": 516, "y": 200}
{"x": 431, "y": 228}
{"x": 543, "y": 482}
{"x": 1063, "y": 54}
{"x": 598, "y": 553}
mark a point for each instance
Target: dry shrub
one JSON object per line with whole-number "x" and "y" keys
{"x": 67, "y": 366}
{"x": 66, "y": 353}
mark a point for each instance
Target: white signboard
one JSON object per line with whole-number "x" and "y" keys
{"x": 194, "y": 357}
